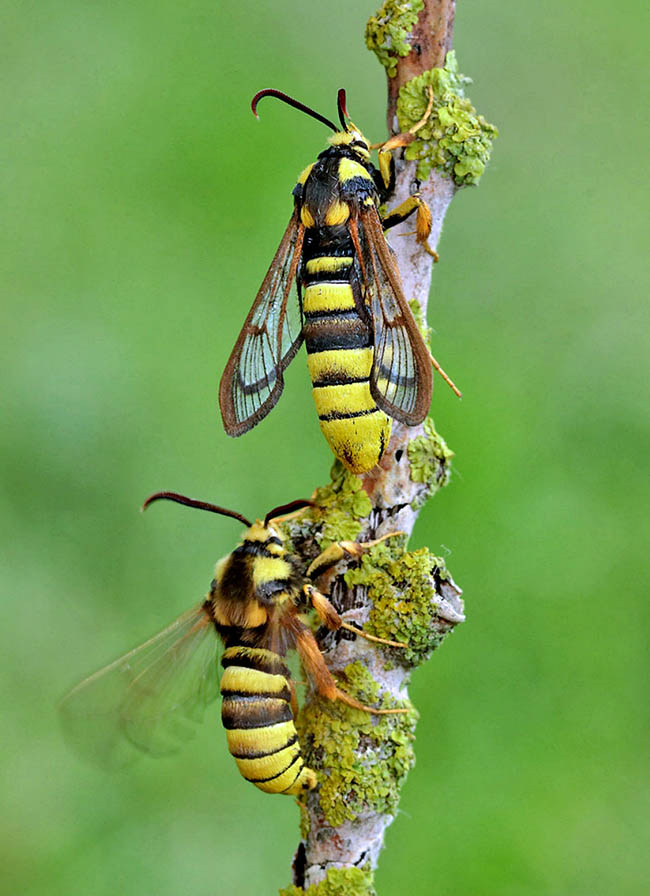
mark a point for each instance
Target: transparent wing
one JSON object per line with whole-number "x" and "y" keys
{"x": 150, "y": 699}
{"x": 401, "y": 380}
{"x": 252, "y": 381}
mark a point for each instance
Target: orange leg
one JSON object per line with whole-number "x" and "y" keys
{"x": 445, "y": 377}
{"x": 316, "y": 669}
{"x": 335, "y": 552}
{"x": 330, "y": 617}
{"x": 422, "y": 222}
{"x": 294, "y": 699}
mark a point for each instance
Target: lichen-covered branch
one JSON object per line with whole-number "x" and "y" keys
{"x": 363, "y": 760}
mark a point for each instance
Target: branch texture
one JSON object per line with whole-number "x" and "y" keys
{"x": 362, "y": 760}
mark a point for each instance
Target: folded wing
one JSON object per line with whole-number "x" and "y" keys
{"x": 252, "y": 381}
{"x": 401, "y": 379}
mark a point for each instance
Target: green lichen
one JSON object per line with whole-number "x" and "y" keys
{"x": 361, "y": 759}
{"x": 338, "y": 882}
{"x": 455, "y": 139}
{"x": 421, "y": 320}
{"x": 429, "y": 457}
{"x": 404, "y": 600}
{"x": 336, "y": 516}
{"x": 341, "y": 506}
{"x": 388, "y": 32}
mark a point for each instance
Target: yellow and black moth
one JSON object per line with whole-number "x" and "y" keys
{"x": 367, "y": 359}
{"x": 152, "y": 697}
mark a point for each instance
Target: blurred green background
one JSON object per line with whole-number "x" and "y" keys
{"x": 142, "y": 205}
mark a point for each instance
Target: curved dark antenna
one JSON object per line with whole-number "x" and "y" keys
{"x": 191, "y": 502}
{"x": 343, "y": 112}
{"x": 270, "y": 91}
{"x": 286, "y": 508}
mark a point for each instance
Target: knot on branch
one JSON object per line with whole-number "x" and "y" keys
{"x": 389, "y": 32}
{"x": 362, "y": 759}
{"x": 455, "y": 139}
{"x": 338, "y": 882}
{"x": 413, "y": 599}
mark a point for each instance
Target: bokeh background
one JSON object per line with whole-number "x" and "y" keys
{"x": 142, "y": 204}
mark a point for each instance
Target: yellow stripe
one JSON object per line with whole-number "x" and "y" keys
{"x": 340, "y": 138}
{"x": 307, "y": 780}
{"x": 257, "y": 532}
{"x": 260, "y": 740}
{"x": 327, "y": 263}
{"x": 337, "y": 213}
{"x": 235, "y": 652}
{"x": 279, "y": 784}
{"x": 267, "y": 766}
{"x": 328, "y": 297}
{"x": 349, "y": 363}
{"x": 251, "y": 681}
{"x": 346, "y": 398}
{"x": 348, "y": 169}
{"x": 306, "y": 217}
{"x": 358, "y": 441}
{"x": 305, "y": 173}
{"x": 268, "y": 569}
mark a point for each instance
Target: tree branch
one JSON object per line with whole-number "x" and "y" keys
{"x": 430, "y": 40}
{"x": 362, "y": 760}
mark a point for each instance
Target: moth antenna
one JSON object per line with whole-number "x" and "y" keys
{"x": 342, "y": 109}
{"x": 289, "y": 100}
{"x": 286, "y": 508}
{"x": 191, "y": 502}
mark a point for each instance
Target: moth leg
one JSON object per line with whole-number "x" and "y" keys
{"x": 329, "y": 616}
{"x": 335, "y": 552}
{"x": 325, "y": 611}
{"x": 447, "y": 379}
{"x": 385, "y": 182}
{"x": 356, "y": 548}
{"x": 294, "y": 699}
{"x": 323, "y": 607}
{"x": 385, "y": 149}
{"x": 316, "y": 669}
{"x": 423, "y": 219}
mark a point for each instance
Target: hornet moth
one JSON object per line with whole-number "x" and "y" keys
{"x": 367, "y": 359}
{"x": 152, "y": 696}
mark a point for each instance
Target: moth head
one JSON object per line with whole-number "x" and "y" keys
{"x": 266, "y": 532}
{"x": 354, "y": 140}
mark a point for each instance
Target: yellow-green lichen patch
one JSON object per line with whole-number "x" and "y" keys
{"x": 340, "y": 506}
{"x": 404, "y": 599}
{"x": 456, "y": 140}
{"x": 361, "y": 759}
{"x": 430, "y": 460}
{"x": 338, "y": 882}
{"x": 388, "y": 32}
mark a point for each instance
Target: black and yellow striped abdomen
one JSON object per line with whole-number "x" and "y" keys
{"x": 339, "y": 355}
{"x": 256, "y": 713}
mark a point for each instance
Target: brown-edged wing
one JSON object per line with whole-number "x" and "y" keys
{"x": 252, "y": 381}
{"x": 149, "y": 700}
{"x": 401, "y": 380}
